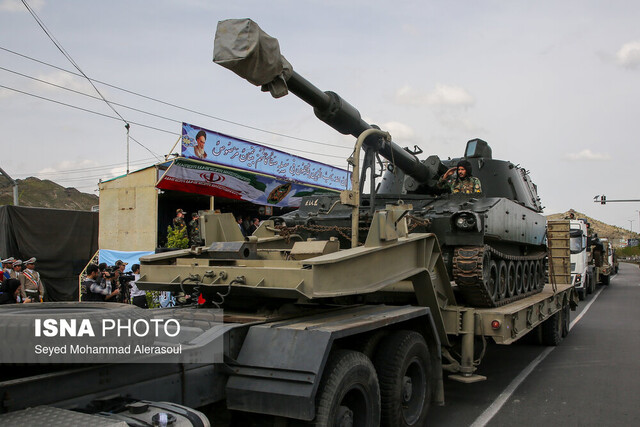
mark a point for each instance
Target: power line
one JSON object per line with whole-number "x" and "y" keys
{"x": 171, "y": 104}
{"x": 88, "y": 168}
{"x": 153, "y": 127}
{"x": 66, "y": 55}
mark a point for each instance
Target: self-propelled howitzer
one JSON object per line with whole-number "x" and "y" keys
{"x": 493, "y": 243}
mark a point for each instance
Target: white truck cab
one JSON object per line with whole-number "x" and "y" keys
{"x": 580, "y": 274}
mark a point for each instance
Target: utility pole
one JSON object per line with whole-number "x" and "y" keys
{"x": 15, "y": 187}
{"x": 631, "y": 223}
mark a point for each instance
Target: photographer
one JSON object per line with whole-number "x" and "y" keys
{"x": 138, "y": 297}
{"x": 96, "y": 288}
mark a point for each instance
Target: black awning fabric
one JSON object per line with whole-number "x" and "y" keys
{"x": 63, "y": 241}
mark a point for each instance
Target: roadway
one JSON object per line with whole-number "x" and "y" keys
{"x": 591, "y": 379}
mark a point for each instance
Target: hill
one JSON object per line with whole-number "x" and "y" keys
{"x": 612, "y": 232}
{"x": 39, "y": 193}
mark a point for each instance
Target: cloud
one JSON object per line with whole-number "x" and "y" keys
{"x": 399, "y": 131}
{"x": 442, "y": 95}
{"x": 17, "y": 6}
{"x": 629, "y": 55}
{"x": 66, "y": 80}
{"x": 587, "y": 155}
{"x": 69, "y": 165}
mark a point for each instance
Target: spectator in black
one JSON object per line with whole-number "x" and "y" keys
{"x": 10, "y": 289}
{"x": 138, "y": 296}
{"x": 96, "y": 288}
{"x": 242, "y": 229}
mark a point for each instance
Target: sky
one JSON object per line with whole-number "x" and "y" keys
{"x": 553, "y": 86}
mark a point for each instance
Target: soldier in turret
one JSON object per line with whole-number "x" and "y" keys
{"x": 463, "y": 183}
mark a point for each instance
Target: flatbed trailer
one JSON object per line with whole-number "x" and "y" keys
{"x": 386, "y": 334}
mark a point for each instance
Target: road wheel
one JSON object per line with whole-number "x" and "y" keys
{"x": 349, "y": 394}
{"x": 491, "y": 280}
{"x": 540, "y": 276}
{"x": 526, "y": 277}
{"x": 534, "y": 283}
{"x": 511, "y": 278}
{"x": 551, "y": 329}
{"x": 404, "y": 370}
{"x": 502, "y": 280}
{"x": 519, "y": 278}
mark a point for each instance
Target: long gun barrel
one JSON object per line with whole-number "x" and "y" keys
{"x": 241, "y": 46}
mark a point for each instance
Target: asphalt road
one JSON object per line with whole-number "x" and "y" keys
{"x": 591, "y": 379}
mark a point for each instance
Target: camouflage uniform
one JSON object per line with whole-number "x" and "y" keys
{"x": 465, "y": 185}
{"x": 194, "y": 232}
{"x": 179, "y": 224}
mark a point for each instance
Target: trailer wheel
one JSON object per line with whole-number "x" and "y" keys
{"x": 511, "y": 278}
{"x": 349, "y": 394}
{"x": 404, "y": 370}
{"x": 552, "y": 329}
{"x": 566, "y": 319}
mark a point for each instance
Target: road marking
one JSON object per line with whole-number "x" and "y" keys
{"x": 497, "y": 404}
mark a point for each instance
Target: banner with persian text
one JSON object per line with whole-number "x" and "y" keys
{"x": 214, "y": 147}
{"x": 211, "y": 180}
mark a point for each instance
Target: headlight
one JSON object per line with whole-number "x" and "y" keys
{"x": 465, "y": 221}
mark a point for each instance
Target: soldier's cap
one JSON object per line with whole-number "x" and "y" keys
{"x": 195, "y": 214}
{"x": 17, "y": 262}
{"x": 120, "y": 262}
{"x": 8, "y": 260}
{"x": 31, "y": 260}
{"x": 180, "y": 211}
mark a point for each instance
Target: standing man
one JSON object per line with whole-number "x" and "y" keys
{"x": 6, "y": 268}
{"x": 99, "y": 290}
{"x": 178, "y": 222}
{"x": 30, "y": 283}
{"x": 17, "y": 269}
{"x": 194, "y": 230}
{"x": 120, "y": 265}
{"x": 240, "y": 224}
{"x": 138, "y": 296}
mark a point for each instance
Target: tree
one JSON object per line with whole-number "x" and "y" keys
{"x": 177, "y": 238}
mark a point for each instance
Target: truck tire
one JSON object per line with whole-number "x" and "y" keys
{"x": 606, "y": 279}
{"x": 349, "y": 393}
{"x": 566, "y": 319}
{"x": 404, "y": 371}
{"x": 587, "y": 284}
{"x": 582, "y": 294}
{"x": 551, "y": 329}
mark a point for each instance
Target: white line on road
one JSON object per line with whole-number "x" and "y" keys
{"x": 497, "y": 404}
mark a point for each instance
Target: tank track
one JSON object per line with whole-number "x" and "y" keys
{"x": 477, "y": 272}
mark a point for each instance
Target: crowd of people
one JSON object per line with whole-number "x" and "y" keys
{"x": 105, "y": 283}
{"x": 21, "y": 282}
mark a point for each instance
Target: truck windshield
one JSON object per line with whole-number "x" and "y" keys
{"x": 576, "y": 243}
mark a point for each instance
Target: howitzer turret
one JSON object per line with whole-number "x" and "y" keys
{"x": 493, "y": 243}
